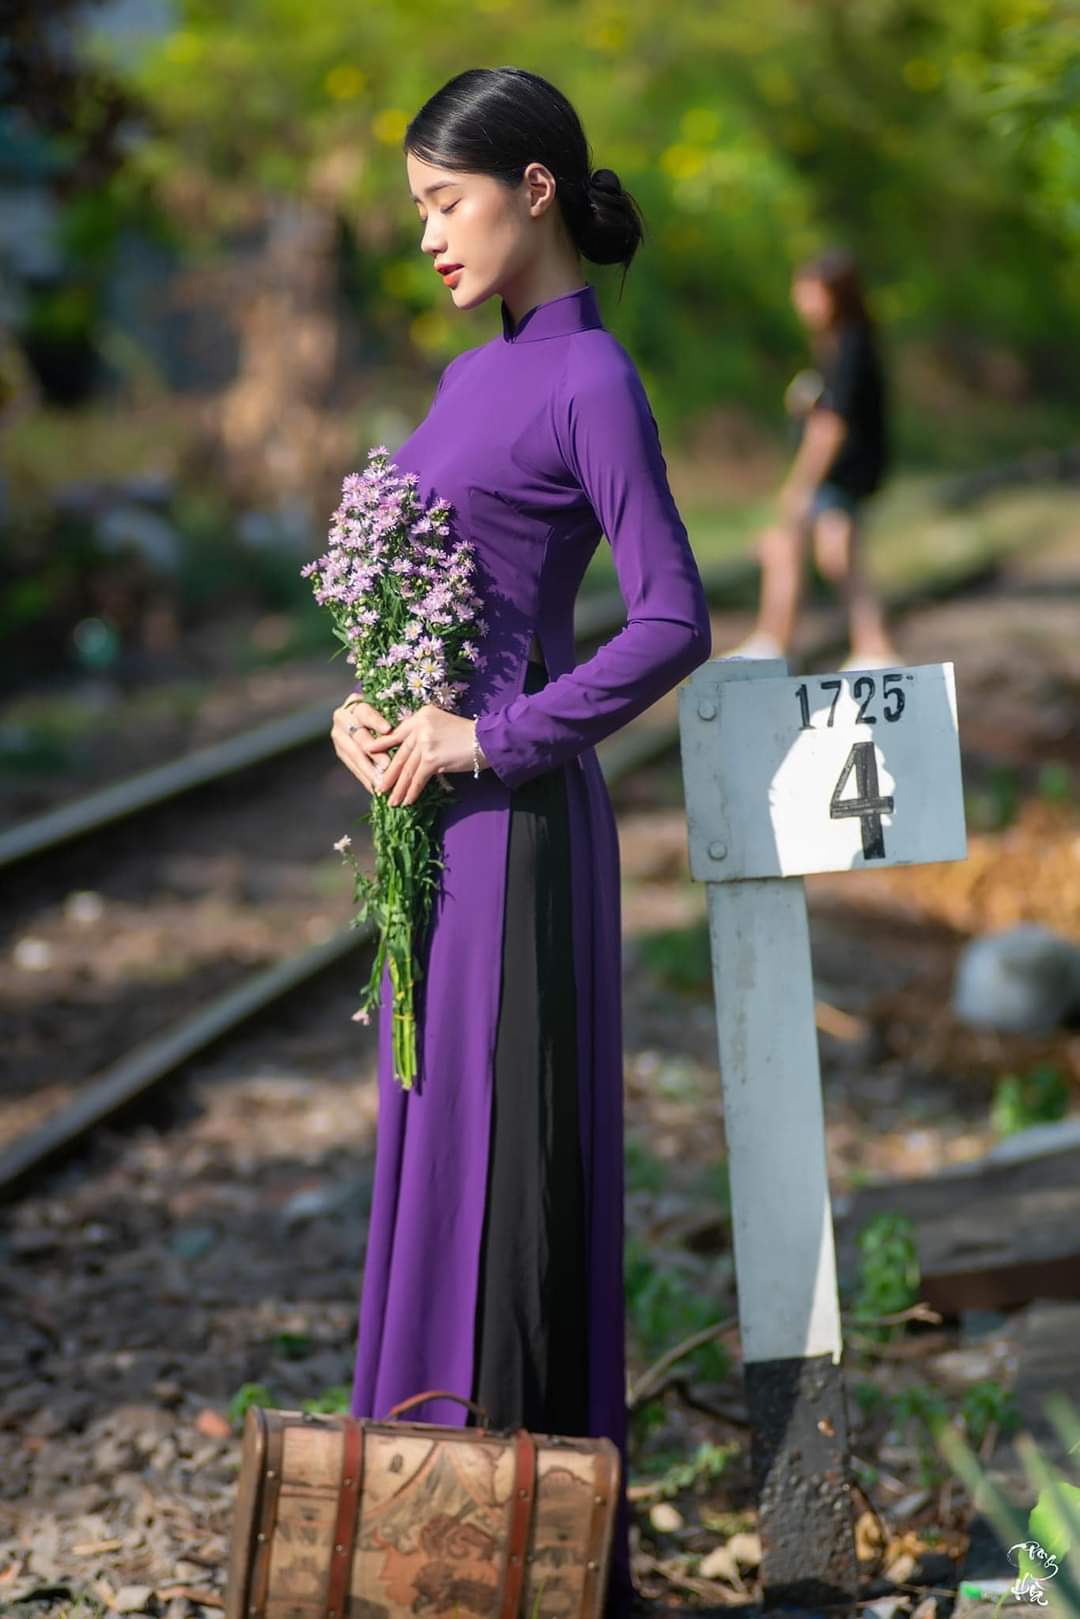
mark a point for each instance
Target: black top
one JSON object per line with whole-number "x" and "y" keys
{"x": 855, "y": 389}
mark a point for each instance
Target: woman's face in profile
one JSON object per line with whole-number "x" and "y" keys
{"x": 472, "y": 221}
{"x": 812, "y": 300}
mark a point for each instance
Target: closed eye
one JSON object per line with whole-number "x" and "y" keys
{"x": 453, "y": 205}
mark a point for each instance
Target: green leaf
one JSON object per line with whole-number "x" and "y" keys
{"x": 1048, "y": 1526}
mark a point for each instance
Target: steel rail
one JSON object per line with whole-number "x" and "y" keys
{"x": 630, "y": 750}
{"x": 141, "y": 1069}
{"x": 597, "y": 615}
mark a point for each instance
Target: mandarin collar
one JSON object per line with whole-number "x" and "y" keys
{"x": 575, "y": 311}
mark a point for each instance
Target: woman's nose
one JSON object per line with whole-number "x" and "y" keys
{"x": 431, "y": 242}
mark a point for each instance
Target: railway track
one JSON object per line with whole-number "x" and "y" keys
{"x": 246, "y": 759}
{"x": 215, "y": 1242}
{"x": 598, "y": 615}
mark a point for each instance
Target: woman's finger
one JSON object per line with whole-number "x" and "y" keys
{"x": 389, "y": 777}
{"x": 349, "y": 739}
{"x": 407, "y": 791}
{"x": 390, "y": 739}
{"x": 374, "y": 769}
{"x": 358, "y": 721}
{"x": 421, "y": 776}
{"x": 356, "y": 760}
{"x": 361, "y": 712}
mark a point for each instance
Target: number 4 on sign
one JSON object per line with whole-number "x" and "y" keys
{"x": 866, "y": 805}
{"x": 782, "y": 778}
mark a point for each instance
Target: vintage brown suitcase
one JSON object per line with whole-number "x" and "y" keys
{"x": 339, "y": 1518}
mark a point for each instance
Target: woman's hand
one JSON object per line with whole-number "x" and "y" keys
{"x": 351, "y": 731}
{"x": 430, "y": 741}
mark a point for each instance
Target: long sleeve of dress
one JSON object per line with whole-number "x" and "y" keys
{"x": 609, "y": 440}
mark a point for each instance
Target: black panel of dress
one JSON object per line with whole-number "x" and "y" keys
{"x": 531, "y": 1347}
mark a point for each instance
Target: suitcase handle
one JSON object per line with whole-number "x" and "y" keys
{"x": 438, "y": 1394}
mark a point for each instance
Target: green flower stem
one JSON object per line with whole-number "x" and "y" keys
{"x": 399, "y": 899}
{"x": 404, "y": 1026}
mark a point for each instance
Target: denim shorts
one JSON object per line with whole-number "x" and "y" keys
{"x": 829, "y": 497}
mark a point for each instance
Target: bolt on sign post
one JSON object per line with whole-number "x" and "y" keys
{"x": 785, "y": 776}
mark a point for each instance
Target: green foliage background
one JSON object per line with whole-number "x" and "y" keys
{"x": 940, "y": 140}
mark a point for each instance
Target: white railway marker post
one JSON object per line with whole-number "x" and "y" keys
{"x": 783, "y": 776}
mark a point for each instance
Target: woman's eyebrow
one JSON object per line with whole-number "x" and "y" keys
{"x": 438, "y": 186}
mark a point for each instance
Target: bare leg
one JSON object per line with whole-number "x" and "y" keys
{"x": 839, "y": 557}
{"x": 781, "y": 551}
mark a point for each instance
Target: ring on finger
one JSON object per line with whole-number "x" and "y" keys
{"x": 353, "y": 729}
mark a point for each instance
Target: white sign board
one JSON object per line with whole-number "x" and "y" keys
{"x": 829, "y": 772}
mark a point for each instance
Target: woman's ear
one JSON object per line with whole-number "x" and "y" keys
{"x": 541, "y": 184}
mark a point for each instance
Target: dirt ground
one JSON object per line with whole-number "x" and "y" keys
{"x": 214, "y": 1236}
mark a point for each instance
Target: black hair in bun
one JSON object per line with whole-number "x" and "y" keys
{"x": 612, "y": 234}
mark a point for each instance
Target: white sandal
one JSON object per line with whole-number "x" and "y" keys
{"x": 758, "y": 645}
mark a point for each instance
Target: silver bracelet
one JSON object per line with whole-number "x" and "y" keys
{"x": 475, "y": 754}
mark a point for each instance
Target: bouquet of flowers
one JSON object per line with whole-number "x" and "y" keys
{"x": 403, "y": 606}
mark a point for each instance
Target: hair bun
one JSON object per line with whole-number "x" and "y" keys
{"x": 613, "y": 228}
{"x": 605, "y": 181}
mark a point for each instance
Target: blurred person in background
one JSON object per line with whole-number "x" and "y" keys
{"x": 841, "y": 460}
